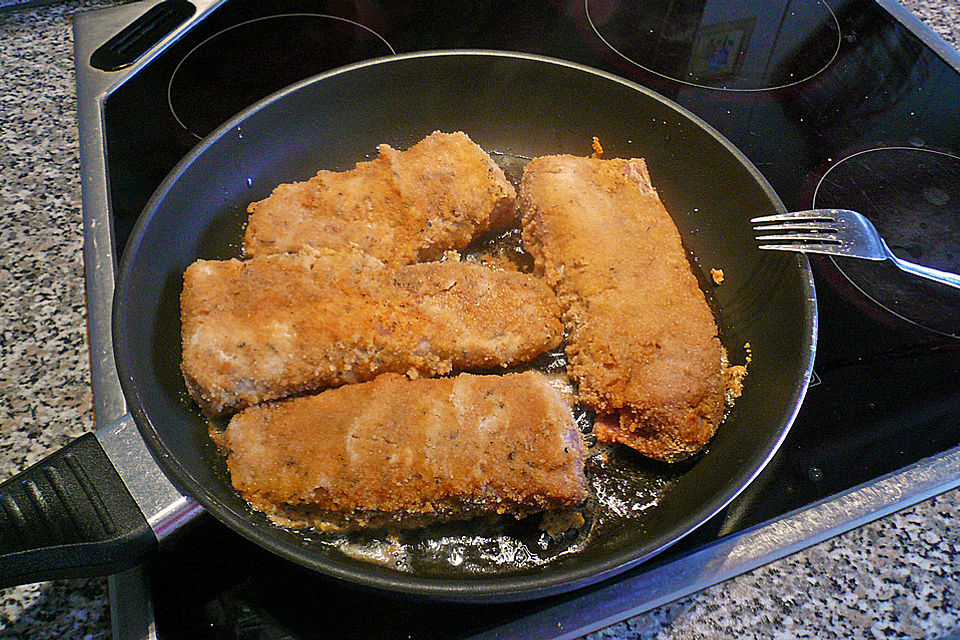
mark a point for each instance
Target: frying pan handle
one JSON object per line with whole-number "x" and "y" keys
{"x": 69, "y": 515}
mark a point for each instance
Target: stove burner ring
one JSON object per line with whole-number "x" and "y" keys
{"x": 912, "y": 195}
{"x": 220, "y": 76}
{"x": 717, "y": 52}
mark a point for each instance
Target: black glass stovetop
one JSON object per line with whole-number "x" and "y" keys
{"x": 836, "y": 103}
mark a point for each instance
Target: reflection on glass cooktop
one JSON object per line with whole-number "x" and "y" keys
{"x": 207, "y": 86}
{"x": 721, "y": 45}
{"x": 912, "y": 196}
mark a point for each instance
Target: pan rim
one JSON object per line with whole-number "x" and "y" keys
{"x": 462, "y": 588}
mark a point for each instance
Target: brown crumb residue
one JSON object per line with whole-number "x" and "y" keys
{"x": 717, "y": 275}
{"x": 734, "y": 381}
{"x": 597, "y": 148}
{"x": 734, "y": 375}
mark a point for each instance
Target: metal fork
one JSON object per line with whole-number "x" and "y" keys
{"x": 838, "y": 232}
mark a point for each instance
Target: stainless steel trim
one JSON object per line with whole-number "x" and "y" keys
{"x": 162, "y": 504}
{"x": 737, "y": 554}
{"x": 90, "y": 30}
{"x": 131, "y": 605}
{"x": 98, "y": 255}
{"x": 131, "y": 616}
{"x": 927, "y": 35}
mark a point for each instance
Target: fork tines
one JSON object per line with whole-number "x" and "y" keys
{"x": 820, "y": 216}
{"x": 800, "y": 243}
{"x": 797, "y": 231}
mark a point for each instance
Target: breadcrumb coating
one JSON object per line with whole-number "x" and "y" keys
{"x": 400, "y": 452}
{"x": 282, "y": 324}
{"x": 402, "y": 207}
{"x": 642, "y": 341}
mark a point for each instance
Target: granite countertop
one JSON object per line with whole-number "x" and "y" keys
{"x": 894, "y": 578}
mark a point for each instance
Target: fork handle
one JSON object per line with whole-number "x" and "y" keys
{"x": 944, "y": 277}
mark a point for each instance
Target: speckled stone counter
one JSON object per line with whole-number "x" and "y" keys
{"x": 895, "y": 578}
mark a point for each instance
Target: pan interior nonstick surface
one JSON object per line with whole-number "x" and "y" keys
{"x": 515, "y": 107}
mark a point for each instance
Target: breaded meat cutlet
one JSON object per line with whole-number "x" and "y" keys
{"x": 642, "y": 341}
{"x": 404, "y": 453}
{"x": 402, "y": 207}
{"x": 278, "y": 325}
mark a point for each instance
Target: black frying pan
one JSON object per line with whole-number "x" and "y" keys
{"x": 515, "y": 107}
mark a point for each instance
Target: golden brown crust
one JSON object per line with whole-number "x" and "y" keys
{"x": 406, "y": 452}
{"x": 642, "y": 343}
{"x": 282, "y": 324}
{"x": 401, "y": 207}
